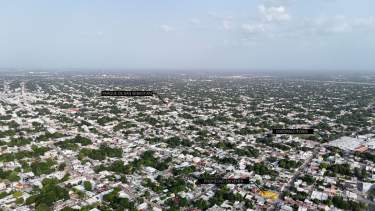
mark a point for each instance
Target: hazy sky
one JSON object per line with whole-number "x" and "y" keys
{"x": 188, "y": 34}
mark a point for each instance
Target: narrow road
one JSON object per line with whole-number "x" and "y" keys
{"x": 364, "y": 200}
{"x": 299, "y": 170}
{"x": 69, "y": 165}
{"x": 295, "y": 176}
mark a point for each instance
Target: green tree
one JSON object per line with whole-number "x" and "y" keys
{"x": 13, "y": 177}
{"x": 201, "y": 204}
{"x": 19, "y": 201}
{"x": 87, "y": 185}
{"x": 61, "y": 167}
{"x": 42, "y": 207}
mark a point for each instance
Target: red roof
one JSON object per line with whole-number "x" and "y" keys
{"x": 361, "y": 148}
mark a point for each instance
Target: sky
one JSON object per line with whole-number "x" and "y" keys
{"x": 188, "y": 34}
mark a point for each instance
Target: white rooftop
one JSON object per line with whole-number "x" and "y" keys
{"x": 346, "y": 143}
